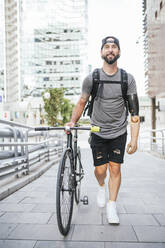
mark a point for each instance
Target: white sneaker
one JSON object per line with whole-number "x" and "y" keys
{"x": 101, "y": 197}
{"x": 112, "y": 216}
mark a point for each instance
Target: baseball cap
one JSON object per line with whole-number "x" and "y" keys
{"x": 105, "y": 40}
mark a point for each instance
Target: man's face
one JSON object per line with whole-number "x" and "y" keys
{"x": 110, "y": 52}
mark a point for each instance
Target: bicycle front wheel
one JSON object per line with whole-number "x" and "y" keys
{"x": 65, "y": 193}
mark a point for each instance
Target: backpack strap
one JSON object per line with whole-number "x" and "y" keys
{"x": 96, "y": 81}
{"x": 95, "y": 85}
{"x": 124, "y": 88}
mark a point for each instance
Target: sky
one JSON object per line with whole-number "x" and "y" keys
{"x": 122, "y": 19}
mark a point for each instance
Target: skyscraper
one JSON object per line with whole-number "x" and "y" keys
{"x": 2, "y": 48}
{"x": 12, "y": 55}
{"x": 56, "y": 52}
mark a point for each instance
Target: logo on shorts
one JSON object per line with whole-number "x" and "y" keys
{"x": 117, "y": 151}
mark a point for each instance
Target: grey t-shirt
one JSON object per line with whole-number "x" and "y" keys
{"x": 109, "y": 111}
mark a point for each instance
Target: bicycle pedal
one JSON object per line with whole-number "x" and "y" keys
{"x": 85, "y": 200}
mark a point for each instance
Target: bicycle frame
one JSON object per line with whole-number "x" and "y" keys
{"x": 73, "y": 148}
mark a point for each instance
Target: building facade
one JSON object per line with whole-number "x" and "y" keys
{"x": 2, "y": 48}
{"x": 154, "y": 39}
{"x": 55, "y": 52}
{"x": 12, "y": 52}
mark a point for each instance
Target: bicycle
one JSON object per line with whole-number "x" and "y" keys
{"x": 69, "y": 177}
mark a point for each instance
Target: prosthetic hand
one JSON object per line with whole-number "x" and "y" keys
{"x": 133, "y": 105}
{"x": 135, "y": 125}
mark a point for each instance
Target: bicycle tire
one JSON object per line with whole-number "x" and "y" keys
{"x": 78, "y": 176}
{"x": 65, "y": 192}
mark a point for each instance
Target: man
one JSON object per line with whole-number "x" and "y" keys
{"x": 109, "y": 113}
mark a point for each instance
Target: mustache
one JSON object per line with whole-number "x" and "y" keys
{"x": 110, "y": 54}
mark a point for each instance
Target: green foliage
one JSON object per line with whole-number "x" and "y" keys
{"x": 56, "y": 107}
{"x": 66, "y": 110}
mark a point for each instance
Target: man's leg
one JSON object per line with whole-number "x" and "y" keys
{"x": 114, "y": 180}
{"x": 114, "y": 185}
{"x": 100, "y": 173}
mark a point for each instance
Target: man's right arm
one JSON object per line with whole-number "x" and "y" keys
{"x": 78, "y": 109}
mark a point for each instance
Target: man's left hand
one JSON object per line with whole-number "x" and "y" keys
{"x": 131, "y": 147}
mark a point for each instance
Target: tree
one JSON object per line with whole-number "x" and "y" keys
{"x": 53, "y": 99}
{"x": 56, "y": 106}
{"x": 66, "y": 110}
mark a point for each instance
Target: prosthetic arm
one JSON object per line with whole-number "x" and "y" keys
{"x": 133, "y": 105}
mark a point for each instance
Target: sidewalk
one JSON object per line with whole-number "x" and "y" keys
{"x": 28, "y": 218}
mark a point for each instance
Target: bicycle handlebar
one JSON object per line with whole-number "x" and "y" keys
{"x": 67, "y": 128}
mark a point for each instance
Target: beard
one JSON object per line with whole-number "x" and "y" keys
{"x": 111, "y": 61}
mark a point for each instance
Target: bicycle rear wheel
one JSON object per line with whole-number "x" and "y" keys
{"x": 65, "y": 192}
{"x": 78, "y": 175}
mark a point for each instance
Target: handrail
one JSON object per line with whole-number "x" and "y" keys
{"x": 19, "y": 151}
{"x": 25, "y": 143}
{"x": 15, "y": 124}
{"x": 152, "y": 138}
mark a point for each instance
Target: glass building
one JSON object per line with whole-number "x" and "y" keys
{"x": 12, "y": 52}
{"x": 1, "y": 50}
{"x": 54, "y": 51}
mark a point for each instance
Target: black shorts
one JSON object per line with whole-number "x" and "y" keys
{"x": 105, "y": 150}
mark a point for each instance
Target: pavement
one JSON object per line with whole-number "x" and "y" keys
{"x": 28, "y": 216}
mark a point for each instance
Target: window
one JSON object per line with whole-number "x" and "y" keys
{"x": 48, "y": 62}
{"x": 37, "y": 40}
{"x": 46, "y": 78}
{"x": 156, "y": 14}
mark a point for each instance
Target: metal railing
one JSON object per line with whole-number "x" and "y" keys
{"x": 22, "y": 149}
{"x": 152, "y": 140}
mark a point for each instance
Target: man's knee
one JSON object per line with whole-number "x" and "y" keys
{"x": 101, "y": 170}
{"x": 114, "y": 168}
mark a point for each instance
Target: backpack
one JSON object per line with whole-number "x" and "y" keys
{"x": 97, "y": 81}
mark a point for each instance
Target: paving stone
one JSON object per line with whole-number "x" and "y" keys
{"x": 13, "y": 207}
{"x": 14, "y": 198}
{"x": 160, "y": 218}
{"x": 103, "y": 233}
{"x": 53, "y": 219}
{"x": 133, "y": 245}
{"x": 44, "y": 207}
{"x": 134, "y": 219}
{"x": 144, "y": 208}
{"x": 17, "y": 244}
{"x": 36, "y": 218}
{"x": 68, "y": 244}
{"x": 1, "y": 213}
{"x": 34, "y": 200}
{"x": 85, "y": 214}
{"x": 5, "y": 229}
{"x": 150, "y": 233}
{"x": 38, "y": 232}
